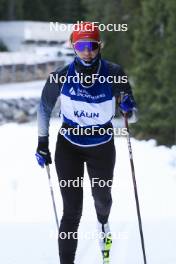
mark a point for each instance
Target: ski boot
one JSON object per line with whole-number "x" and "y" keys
{"x": 105, "y": 241}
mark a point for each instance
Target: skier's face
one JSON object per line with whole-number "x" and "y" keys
{"x": 88, "y": 53}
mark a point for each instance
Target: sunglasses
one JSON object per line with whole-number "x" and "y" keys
{"x": 82, "y": 45}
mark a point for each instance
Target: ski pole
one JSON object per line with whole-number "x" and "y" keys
{"x": 135, "y": 187}
{"x": 52, "y": 195}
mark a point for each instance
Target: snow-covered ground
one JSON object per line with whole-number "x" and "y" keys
{"x": 23, "y": 89}
{"x": 30, "y": 57}
{"x": 36, "y": 55}
{"x": 27, "y": 225}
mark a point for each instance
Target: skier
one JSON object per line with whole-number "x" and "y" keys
{"x": 88, "y": 104}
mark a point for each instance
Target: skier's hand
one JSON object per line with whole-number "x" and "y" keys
{"x": 127, "y": 104}
{"x": 43, "y": 154}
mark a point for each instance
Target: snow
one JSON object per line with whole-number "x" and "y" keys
{"x": 23, "y": 89}
{"x": 27, "y": 225}
{"x": 37, "y": 55}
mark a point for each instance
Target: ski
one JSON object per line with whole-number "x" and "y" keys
{"x": 106, "y": 251}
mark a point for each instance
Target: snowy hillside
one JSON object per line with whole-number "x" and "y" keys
{"x": 27, "y": 226}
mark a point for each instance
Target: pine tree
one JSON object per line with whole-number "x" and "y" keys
{"x": 64, "y": 12}
{"x": 35, "y": 10}
{"x": 154, "y": 71}
{"x": 10, "y": 9}
{"x": 117, "y": 43}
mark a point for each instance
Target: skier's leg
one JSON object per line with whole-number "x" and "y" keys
{"x": 100, "y": 166}
{"x": 69, "y": 166}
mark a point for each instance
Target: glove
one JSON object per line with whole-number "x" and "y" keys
{"x": 127, "y": 104}
{"x": 43, "y": 154}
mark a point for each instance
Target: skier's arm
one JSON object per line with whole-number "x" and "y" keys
{"x": 121, "y": 89}
{"x": 50, "y": 95}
